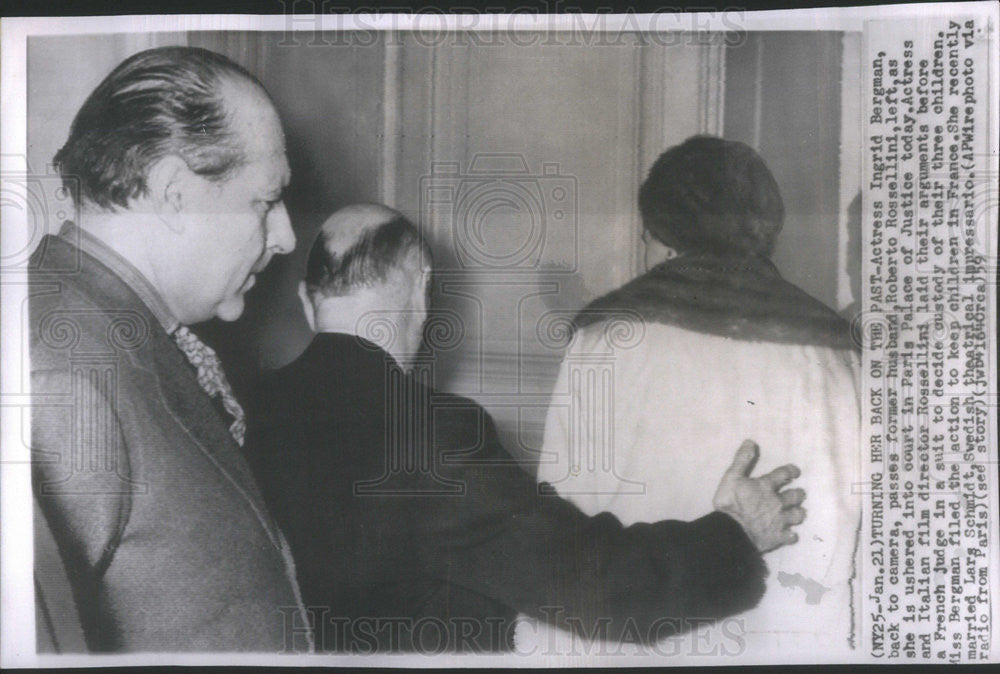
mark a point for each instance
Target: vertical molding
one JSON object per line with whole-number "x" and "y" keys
{"x": 711, "y": 85}
{"x": 758, "y": 89}
{"x": 262, "y": 54}
{"x": 248, "y": 46}
{"x": 850, "y": 161}
{"x": 666, "y": 86}
{"x": 392, "y": 102}
{"x": 432, "y": 99}
{"x": 448, "y": 102}
{"x": 415, "y": 83}
{"x": 635, "y": 120}
{"x": 652, "y": 136}
{"x": 651, "y": 103}
{"x": 670, "y": 74}
{"x": 667, "y": 115}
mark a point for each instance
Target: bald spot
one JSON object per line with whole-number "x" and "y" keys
{"x": 345, "y": 227}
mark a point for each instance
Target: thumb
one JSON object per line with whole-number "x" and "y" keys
{"x": 746, "y": 457}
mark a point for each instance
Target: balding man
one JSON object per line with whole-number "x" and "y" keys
{"x": 177, "y": 161}
{"x": 412, "y": 527}
{"x": 384, "y": 270}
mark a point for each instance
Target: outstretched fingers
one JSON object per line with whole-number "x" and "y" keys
{"x": 792, "y": 497}
{"x": 745, "y": 459}
{"x": 794, "y": 515}
{"x": 779, "y": 477}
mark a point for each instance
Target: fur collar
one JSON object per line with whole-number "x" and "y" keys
{"x": 739, "y": 297}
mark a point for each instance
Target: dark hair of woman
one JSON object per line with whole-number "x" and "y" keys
{"x": 712, "y": 195}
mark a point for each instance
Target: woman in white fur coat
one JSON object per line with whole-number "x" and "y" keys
{"x": 707, "y": 348}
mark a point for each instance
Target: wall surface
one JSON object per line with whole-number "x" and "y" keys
{"x": 783, "y": 98}
{"x": 62, "y": 71}
{"x": 521, "y": 162}
{"x": 329, "y": 98}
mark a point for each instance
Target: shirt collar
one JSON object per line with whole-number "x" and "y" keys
{"x": 124, "y": 270}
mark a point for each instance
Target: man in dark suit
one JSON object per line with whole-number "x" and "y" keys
{"x": 411, "y": 526}
{"x": 177, "y": 164}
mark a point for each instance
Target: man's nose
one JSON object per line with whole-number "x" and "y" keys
{"x": 280, "y": 236}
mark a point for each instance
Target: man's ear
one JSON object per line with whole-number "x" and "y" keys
{"x": 307, "y": 306}
{"x": 167, "y": 183}
{"x": 419, "y": 298}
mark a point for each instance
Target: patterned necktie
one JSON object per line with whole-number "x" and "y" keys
{"x": 211, "y": 378}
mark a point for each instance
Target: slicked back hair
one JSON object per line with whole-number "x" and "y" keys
{"x": 158, "y": 102}
{"x": 367, "y": 263}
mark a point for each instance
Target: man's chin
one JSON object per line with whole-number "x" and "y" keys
{"x": 231, "y": 309}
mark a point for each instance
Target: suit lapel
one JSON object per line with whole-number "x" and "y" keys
{"x": 179, "y": 390}
{"x": 194, "y": 410}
